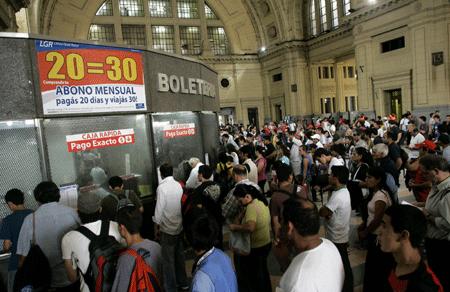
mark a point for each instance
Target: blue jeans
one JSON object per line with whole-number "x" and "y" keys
{"x": 174, "y": 269}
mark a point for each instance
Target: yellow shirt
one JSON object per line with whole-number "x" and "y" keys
{"x": 259, "y": 213}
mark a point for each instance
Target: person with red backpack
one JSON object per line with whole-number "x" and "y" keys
{"x": 95, "y": 242}
{"x": 139, "y": 267}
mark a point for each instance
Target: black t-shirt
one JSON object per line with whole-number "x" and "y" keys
{"x": 421, "y": 280}
{"x": 394, "y": 152}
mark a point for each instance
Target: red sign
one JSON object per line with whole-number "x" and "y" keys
{"x": 179, "y": 130}
{"x": 88, "y": 141}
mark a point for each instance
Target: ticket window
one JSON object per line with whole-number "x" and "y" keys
{"x": 177, "y": 137}
{"x": 20, "y": 155}
{"x": 88, "y": 151}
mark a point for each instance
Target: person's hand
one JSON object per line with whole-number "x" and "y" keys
{"x": 411, "y": 183}
{"x": 232, "y": 227}
{"x": 157, "y": 233}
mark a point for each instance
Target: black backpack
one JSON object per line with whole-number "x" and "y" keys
{"x": 104, "y": 251}
{"x": 35, "y": 271}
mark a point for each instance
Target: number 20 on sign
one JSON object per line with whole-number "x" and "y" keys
{"x": 76, "y": 68}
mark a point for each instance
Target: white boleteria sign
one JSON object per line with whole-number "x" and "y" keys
{"x": 180, "y": 84}
{"x": 103, "y": 139}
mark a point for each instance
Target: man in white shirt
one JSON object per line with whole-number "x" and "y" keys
{"x": 247, "y": 154}
{"x": 316, "y": 140}
{"x": 337, "y": 212}
{"x": 192, "y": 181}
{"x": 318, "y": 266}
{"x": 295, "y": 154}
{"x": 169, "y": 227}
{"x": 75, "y": 246}
{"x": 416, "y": 139}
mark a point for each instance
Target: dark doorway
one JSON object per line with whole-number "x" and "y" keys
{"x": 394, "y": 102}
{"x": 278, "y": 113}
{"x": 252, "y": 113}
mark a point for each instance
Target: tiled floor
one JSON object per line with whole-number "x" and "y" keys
{"x": 356, "y": 254}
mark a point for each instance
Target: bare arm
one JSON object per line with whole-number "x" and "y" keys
{"x": 246, "y": 227}
{"x": 71, "y": 273}
{"x": 325, "y": 212}
{"x": 7, "y": 245}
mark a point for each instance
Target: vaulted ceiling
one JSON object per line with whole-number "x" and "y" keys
{"x": 250, "y": 24}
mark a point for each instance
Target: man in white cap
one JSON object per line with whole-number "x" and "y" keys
{"x": 316, "y": 141}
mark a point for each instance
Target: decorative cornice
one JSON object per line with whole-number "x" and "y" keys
{"x": 227, "y": 59}
{"x": 278, "y": 48}
{"x": 343, "y": 31}
{"x": 375, "y": 10}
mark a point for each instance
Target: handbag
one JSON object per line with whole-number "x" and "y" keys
{"x": 35, "y": 273}
{"x": 240, "y": 242}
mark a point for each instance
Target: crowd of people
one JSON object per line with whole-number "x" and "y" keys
{"x": 271, "y": 190}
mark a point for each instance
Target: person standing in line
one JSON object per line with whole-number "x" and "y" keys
{"x": 129, "y": 220}
{"x": 318, "y": 266}
{"x": 212, "y": 271}
{"x": 337, "y": 213}
{"x": 52, "y": 221}
{"x": 437, "y": 212}
{"x": 402, "y": 232}
{"x": 75, "y": 246}
{"x": 10, "y": 228}
{"x": 169, "y": 227}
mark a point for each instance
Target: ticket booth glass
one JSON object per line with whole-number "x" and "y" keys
{"x": 88, "y": 151}
{"x": 20, "y": 159}
{"x": 177, "y": 137}
{"x": 210, "y": 134}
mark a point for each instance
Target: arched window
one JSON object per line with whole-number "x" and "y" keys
{"x": 176, "y": 26}
{"x": 313, "y": 18}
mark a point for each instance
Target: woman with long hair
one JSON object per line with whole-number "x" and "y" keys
{"x": 251, "y": 270}
{"x": 361, "y": 162}
{"x": 378, "y": 263}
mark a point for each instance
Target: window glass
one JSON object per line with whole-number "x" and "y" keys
{"x": 209, "y": 13}
{"x": 190, "y": 40}
{"x": 21, "y": 164}
{"x": 106, "y": 9}
{"x": 187, "y": 9}
{"x": 334, "y": 14}
{"x": 313, "y": 18}
{"x": 102, "y": 33}
{"x": 347, "y": 7}
{"x": 160, "y": 8}
{"x": 323, "y": 15}
{"x": 91, "y": 169}
{"x": 133, "y": 34}
{"x": 163, "y": 38}
{"x": 325, "y": 72}
{"x": 351, "y": 73}
{"x": 218, "y": 40}
{"x": 131, "y": 7}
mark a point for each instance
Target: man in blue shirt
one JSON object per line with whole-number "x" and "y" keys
{"x": 212, "y": 271}
{"x": 10, "y": 228}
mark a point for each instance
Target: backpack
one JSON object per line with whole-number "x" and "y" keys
{"x": 35, "y": 271}
{"x": 143, "y": 278}
{"x": 103, "y": 251}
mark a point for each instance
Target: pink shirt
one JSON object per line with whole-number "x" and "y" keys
{"x": 261, "y": 174}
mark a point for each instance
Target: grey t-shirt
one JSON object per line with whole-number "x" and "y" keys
{"x": 53, "y": 221}
{"x": 125, "y": 264}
